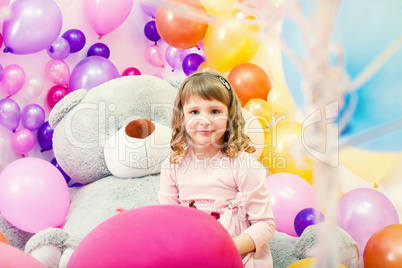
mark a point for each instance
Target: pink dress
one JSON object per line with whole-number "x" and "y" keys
{"x": 233, "y": 188}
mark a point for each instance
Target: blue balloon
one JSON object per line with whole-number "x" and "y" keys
{"x": 374, "y": 118}
{"x": 307, "y": 217}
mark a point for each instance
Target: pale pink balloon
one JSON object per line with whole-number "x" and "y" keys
{"x": 33, "y": 88}
{"x": 4, "y": 3}
{"x": 13, "y": 79}
{"x": 58, "y": 72}
{"x": 33, "y": 195}
{"x": 154, "y": 55}
{"x": 106, "y": 15}
{"x": 289, "y": 195}
{"x": 22, "y": 141}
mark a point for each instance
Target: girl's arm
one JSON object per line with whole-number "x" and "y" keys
{"x": 244, "y": 243}
{"x": 168, "y": 193}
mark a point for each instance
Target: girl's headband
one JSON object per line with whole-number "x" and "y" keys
{"x": 224, "y": 82}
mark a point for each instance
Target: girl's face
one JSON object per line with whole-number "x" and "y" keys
{"x": 206, "y": 123}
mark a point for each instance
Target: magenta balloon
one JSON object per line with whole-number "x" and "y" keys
{"x": 32, "y": 26}
{"x": 364, "y": 211}
{"x": 10, "y": 113}
{"x": 59, "y": 49}
{"x": 149, "y": 8}
{"x": 32, "y": 116}
{"x": 289, "y": 195}
{"x": 1, "y": 40}
{"x": 154, "y": 55}
{"x": 131, "y": 71}
{"x": 175, "y": 56}
{"x": 55, "y": 94}
{"x": 33, "y": 195}
{"x": 158, "y": 236}
{"x": 22, "y": 141}
{"x": 13, "y": 79}
{"x": 92, "y": 71}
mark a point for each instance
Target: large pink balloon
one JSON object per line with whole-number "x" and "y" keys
{"x": 33, "y": 195}
{"x": 32, "y": 26}
{"x": 13, "y": 257}
{"x": 13, "y": 79}
{"x": 91, "y": 72}
{"x": 290, "y": 194}
{"x": 158, "y": 236}
{"x": 364, "y": 211}
{"x": 106, "y": 15}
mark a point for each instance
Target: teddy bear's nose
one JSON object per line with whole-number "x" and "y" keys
{"x": 140, "y": 128}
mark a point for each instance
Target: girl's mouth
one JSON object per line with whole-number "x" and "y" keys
{"x": 205, "y": 132}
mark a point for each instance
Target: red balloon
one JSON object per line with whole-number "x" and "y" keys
{"x": 175, "y": 24}
{"x": 249, "y": 81}
{"x": 55, "y": 94}
{"x": 158, "y": 236}
{"x": 384, "y": 248}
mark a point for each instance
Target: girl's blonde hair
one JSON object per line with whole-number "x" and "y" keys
{"x": 209, "y": 85}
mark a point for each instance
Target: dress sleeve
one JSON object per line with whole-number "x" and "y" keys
{"x": 252, "y": 184}
{"x": 168, "y": 193}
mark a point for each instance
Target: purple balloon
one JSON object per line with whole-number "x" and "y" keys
{"x": 45, "y": 135}
{"x": 149, "y": 8}
{"x": 99, "y": 49}
{"x": 175, "y": 56}
{"x": 54, "y": 163}
{"x": 32, "y": 116}
{"x": 59, "y": 49}
{"x": 191, "y": 62}
{"x": 307, "y": 217}
{"x": 10, "y": 113}
{"x": 75, "y": 38}
{"x": 364, "y": 211}
{"x": 92, "y": 71}
{"x": 32, "y": 26}
{"x": 151, "y": 32}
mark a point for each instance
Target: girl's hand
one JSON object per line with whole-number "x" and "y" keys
{"x": 120, "y": 209}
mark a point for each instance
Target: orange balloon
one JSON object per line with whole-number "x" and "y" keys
{"x": 249, "y": 81}
{"x": 3, "y": 238}
{"x": 384, "y": 248}
{"x": 181, "y": 23}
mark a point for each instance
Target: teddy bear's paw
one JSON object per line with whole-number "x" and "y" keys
{"x": 46, "y": 246}
{"x": 68, "y": 249}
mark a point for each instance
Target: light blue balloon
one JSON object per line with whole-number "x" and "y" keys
{"x": 365, "y": 29}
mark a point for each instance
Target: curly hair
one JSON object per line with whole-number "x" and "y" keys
{"x": 209, "y": 85}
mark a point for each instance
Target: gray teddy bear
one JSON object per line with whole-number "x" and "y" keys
{"x": 112, "y": 139}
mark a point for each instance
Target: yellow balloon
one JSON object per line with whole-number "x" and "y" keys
{"x": 214, "y": 7}
{"x": 368, "y": 165}
{"x": 261, "y": 109}
{"x": 277, "y": 153}
{"x": 229, "y": 42}
{"x": 307, "y": 263}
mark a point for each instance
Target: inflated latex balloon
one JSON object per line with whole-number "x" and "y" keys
{"x": 364, "y": 211}
{"x": 151, "y": 32}
{"x": 32, "y": 116}
{"x": 154, "y": 55}
{"x": 106, "y": 15}
{"x": 149, "y": 8}
{"x": 277, "y": 154}
{"x": 368, "y": 165}
{"x": 191, "y": 62}
{"x": 14, "y": 257}
{"x": 145, "y": 237}
{"x": 131, "y": 71}
{"x": 384, "y": 248}
{"x": 22, "y": 141}
{"x": 261, "y": 109}
{"x": 217, "y": 7}
{"x": 59, "y": 49}
{"x": 175, "y": 56}
{"x": 92, "y": 71}
{"x": 33, "y": 195}
{"x": 75, "y": 38}
{"x": 13, "y": 79}
{"x": 249, "y": 81}
{"x": 44, "y": 136}
{"x": 3, "y": 238}
{"x": 58, "y": 72}
{"x": 308, "y": 263}
{"x": 289, "y": 195}
{"x": 32, "y": 26}
{"x": 55, "y": 94}
{"x": 10, "y": 113}
{"x": 99, "y": 49}
{"x": 307, "y": 217}
{"x": 177, "y": 26}
{"x": 228, "y": 42}
{"x": 363, "y": 41}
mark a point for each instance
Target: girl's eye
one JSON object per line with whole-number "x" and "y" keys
{"x": 194, "y": 112}
{"x": 215, "y": 111}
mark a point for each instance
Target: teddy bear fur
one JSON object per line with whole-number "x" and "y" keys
{"x": 82, "y": 122}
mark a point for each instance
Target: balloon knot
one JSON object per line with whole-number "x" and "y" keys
{"x": 198, "y": 47}
{"x": 163, "y": 66}
{"x": 9, "y": 96}
{"x": 375, "y": 185}
{"x": 100, "y": 36}
{"x": 172, "y": 70}
{"x": 42, "y": 151}
{"x": 7, "y": 50}
{"x": 156, "y": 43}
{"x": 51, "y": 49}
{"x": 22, "y": 155}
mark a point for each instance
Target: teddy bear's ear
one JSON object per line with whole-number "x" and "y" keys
{"x": 175, "y": 81}
{"x": 67, "y": 103}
